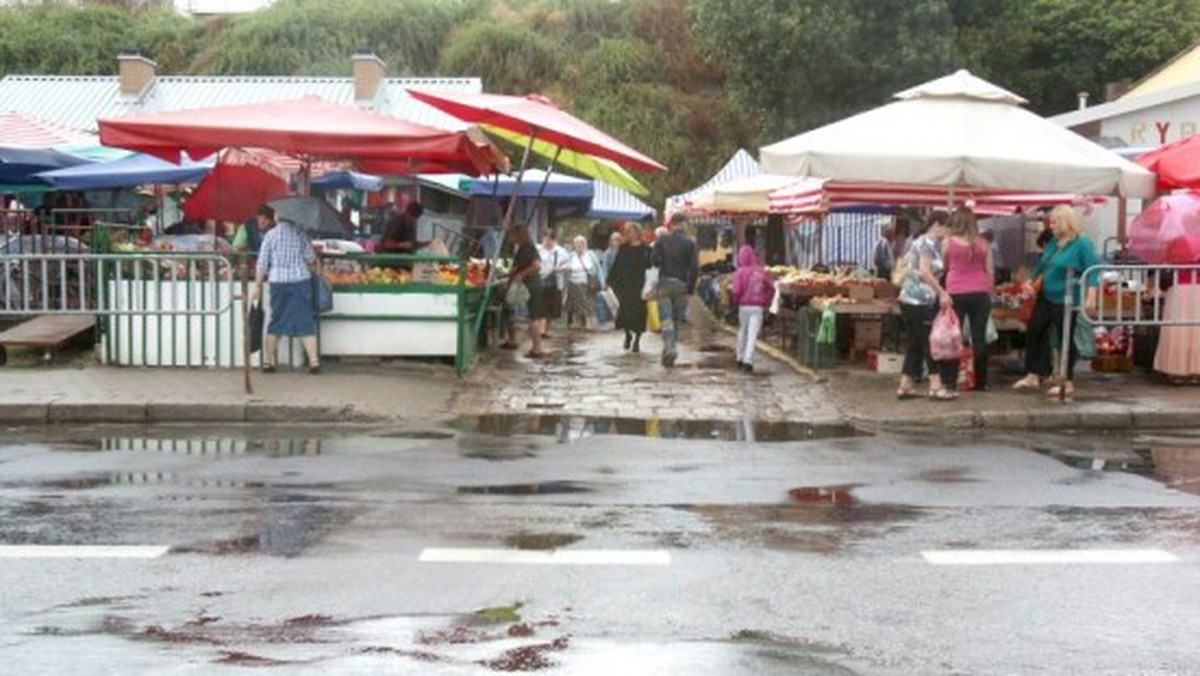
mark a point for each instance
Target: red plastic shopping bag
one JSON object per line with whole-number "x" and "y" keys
{"x": 945, "y": 340}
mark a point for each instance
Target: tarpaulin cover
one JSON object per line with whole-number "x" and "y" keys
{"x": 308, "y": 127}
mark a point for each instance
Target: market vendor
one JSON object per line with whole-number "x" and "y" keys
{"x": 400, "y": 231}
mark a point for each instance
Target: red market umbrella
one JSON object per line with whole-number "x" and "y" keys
{"x": 308, "y": 128}
{"x": 1166, "y": 219}
{"x": 1176, "y": 164}
{"x": 233, "y": 192}
{"x": 535, "y": 116}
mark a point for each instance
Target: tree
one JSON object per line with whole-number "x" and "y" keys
{"x": 802, "y": 63}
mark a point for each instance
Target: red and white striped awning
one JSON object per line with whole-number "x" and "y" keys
{"x": 21, "y": 130}
{"x": 818, "y": 195}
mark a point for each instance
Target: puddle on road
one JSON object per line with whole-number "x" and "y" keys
{"x": 540, "y": 488}
{"x": 568, "y": 429}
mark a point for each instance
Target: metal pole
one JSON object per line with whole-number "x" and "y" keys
{"x": 245, "y": 264}
{"x": 1067, "y": 337}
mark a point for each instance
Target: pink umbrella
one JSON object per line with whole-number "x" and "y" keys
{"x": 1165, "y": 220}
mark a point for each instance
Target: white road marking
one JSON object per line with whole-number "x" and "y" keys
{"x": 574, "y": 557}
{"x": 999, "y": 557}
{"x": 82, "y": 551}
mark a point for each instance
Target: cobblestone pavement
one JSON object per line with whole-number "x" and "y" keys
{"x": 591, "y": 374}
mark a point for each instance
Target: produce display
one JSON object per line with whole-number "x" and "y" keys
{"x": 846, "y": 285}
{"x": 348, "y": 273}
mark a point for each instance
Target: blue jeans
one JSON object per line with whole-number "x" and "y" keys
{"x": 672, "y": 304}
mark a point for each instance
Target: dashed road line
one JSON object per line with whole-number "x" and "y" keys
{"x": 1002, "y": 557}
{"x": 572, "y": 557}
{"x": 82, "y": 551}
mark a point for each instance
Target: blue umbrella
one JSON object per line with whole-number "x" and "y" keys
{"x": 343, "y": 179}
{"x": 19, "y": 165}
{"x": 128, "y": 172}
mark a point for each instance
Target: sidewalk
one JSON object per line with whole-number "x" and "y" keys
{"x": 588, "y": 375}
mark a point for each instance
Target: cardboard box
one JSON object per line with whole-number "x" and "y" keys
{"x": 867, "y": 334}
{"x": 860, "y": 291}
{"x": 884, "y": 362}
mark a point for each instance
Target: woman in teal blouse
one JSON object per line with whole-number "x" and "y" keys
{"x": 1068, "y": 249}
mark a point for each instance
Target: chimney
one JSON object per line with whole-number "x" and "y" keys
{"x": 1083, "y": 98}
{"x": 369, "y": 71}
{"x": 1115, "y": 90}
{"x": 136, "y": 74}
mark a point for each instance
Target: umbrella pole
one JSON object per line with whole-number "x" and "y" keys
{"x": 542, "y": 187}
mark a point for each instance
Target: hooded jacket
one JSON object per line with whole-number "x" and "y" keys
{"x": 752, "y": 286}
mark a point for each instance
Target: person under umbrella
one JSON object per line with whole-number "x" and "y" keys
{"x": 287, "y": 261}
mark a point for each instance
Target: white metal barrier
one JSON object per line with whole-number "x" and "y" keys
{"x": 1127, "y": 295}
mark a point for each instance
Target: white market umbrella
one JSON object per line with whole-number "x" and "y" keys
{"x": 958, "y": 130}
{"x": 745, "y": 194}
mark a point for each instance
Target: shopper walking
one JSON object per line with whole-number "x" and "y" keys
{"x": 675, "y": 256}
{"x": 752, "y": 291}
{"x": 627, "y": 278}
{"x": 585, "y": 278}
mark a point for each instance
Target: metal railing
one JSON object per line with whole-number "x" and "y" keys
{"x": 1125, "y": 295}
{"x": 153, "y": 309}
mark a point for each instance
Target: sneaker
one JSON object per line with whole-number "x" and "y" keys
{"x": 314, "y": 369}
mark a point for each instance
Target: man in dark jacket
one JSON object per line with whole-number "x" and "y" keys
{"x": 678, "y": 265}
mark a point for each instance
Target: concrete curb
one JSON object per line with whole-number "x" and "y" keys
{"x": 57, "y": 412}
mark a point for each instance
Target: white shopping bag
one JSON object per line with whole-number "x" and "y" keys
{"x": 610, "y": 299}
{"x": 650, "y": 286}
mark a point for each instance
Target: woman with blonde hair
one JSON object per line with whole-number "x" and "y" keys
{"x": 585, "y": 278}
{"x": 969, "y": 274}
{"x": 1068, "y": 249}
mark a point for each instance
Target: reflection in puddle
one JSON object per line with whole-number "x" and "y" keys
{"x": 567, "y": 429}
{"x": 541, "y": 488}
{"x": 1137, "y": 461}
{"x": 214, "y": 447}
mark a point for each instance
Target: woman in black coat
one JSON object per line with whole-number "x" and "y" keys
{"x": 626, "y": 278}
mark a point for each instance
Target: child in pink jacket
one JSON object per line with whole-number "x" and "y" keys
{"x": 752, "y": 291}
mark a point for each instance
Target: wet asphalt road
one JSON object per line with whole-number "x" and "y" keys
{"x": 301, "y": 551}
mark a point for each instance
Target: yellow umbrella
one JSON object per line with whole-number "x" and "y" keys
{"x": 583, "y": 163}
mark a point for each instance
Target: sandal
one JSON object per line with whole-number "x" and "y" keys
{"x": 943, "y": 394}
{"x": 507, "y": 346}
{"x": 536, "y": 355}
{"x": 1030, "y": 382}
{"x": 1058, "y": 391}
{"x": 907, "y": 393}
{"x": 268, "y": 368}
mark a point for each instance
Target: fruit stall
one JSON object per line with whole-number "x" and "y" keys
{"x": 403, "y": 306}
{"x": 862, "y": 307}
{"x": 178, "y": 302}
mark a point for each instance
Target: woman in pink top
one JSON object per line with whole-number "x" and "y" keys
{"x": 968, "y": 260}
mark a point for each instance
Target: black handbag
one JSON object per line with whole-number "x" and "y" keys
{"x": 257, "y": 319}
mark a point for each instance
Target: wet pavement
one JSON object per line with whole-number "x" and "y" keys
{"x": 302, "y": 550}
{"x": 590, "y": 384}
{"x": 590, "y": 374}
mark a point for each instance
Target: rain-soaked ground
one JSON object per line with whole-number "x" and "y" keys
{"x": 782, "y": 549}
